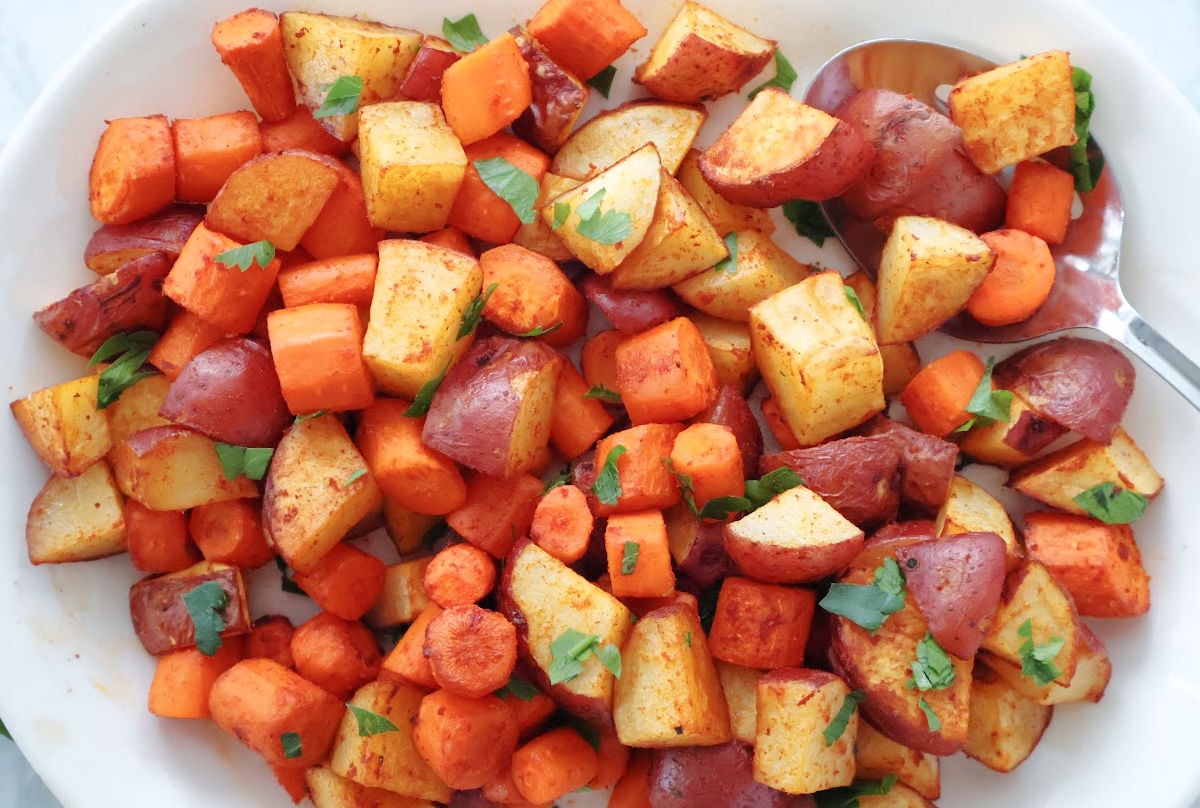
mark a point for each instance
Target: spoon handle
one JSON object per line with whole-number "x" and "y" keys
{"x": 1127, "y": 326}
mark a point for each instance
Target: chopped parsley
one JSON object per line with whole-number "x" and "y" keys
{"x": 572, "y": 647}
{"x": 931, "y": 718}
{"x": 629, "y": 557}
{"x": 464, "y": 33}
{"x": 341, "y": 98}
{"x": 932, "y": 669}
{"x": 987, "y": 405}
{"x": 518, "y": 688}
{"x": 603, "y": 393}
{"x": 424, "y": 397}
{"x": 133, "y": 349}
{"x": 473, "y": 313}
{"x": 729, "y": 262}
{"x": 602, "y": 81}
{"x": 785, "y": 76}
{"x": 1037, "y": 659}
{"x": 607, "y": 227}
{"x": 237, "y": 461}
{"x": 868, "y": 605}
{"x": 516, "y": 187}
{"x": 370, "y": 723}
{"x": 1111, "y": 504}
{"x": 607, "y": 487}
{"x": 808, "y": 219}
{"x": 1086, "y": 161}
{"x": 539, "y": 331}
{"x": 852, "y": 296}
{"x": 847, "y": 796}
{"x": 292, "y": 748}
{"x": 757, "y": 493}
{"x": 353, "y": 476}
{"x": 204, "y": 605}
{"x": 840, "y": 721}
{"x": 259, "y": 252}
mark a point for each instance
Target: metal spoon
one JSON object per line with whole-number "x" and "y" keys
{"x": 1087, "y": 291}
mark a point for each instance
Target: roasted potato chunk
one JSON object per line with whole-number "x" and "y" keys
{"x": 876, "y": 756}
{"x": 76, "y": 518}
{"x": 170, "y": 468}
{"x": 1005, "y": 726}
{"x": 162, "y": 620}
{"x": 969, "y": 508}
{"x": 614, "y": 134}
{"x": 64, "y": 425}
{"x": 1031, "y": 594}
{"x": 760, "y": 269}
{"x": 791, "y": 752}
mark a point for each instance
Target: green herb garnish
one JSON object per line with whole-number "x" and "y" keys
{"x": 987, "y": 405}
{"x": 608, "y": 227}
{"x": 424, "y": 397}
{"x": 290, "y": 741}
{"x": 464, "y": 33}
{"x": 852, "y": 296}
{"x": 629, "y": 557}
{"x": 341, "y": 98}
{"x": 785, "y": 76}
{"x": 1086, "y": 160}
{"x": 932, "y": 669}
{"x": 572, "y": 647}
{"x": 607, "y": 487}
{"x": 473, "y": 313}
{"x": 602, "y": 81}
{"x": 1111, "y": 504}
{"x": 757, "y": 493}
{"x": 603, "y": 393}
{"x": 729, "y": 262}
{"x": 126, "y": 371}
{"x": 1037, "y": 659}
{"x": 838, "y": 725}
{"x": 516, "y": 187}
{"x": 353, "y": 476}
{"x": 250, "y": 461}
{"x": 260, "y": 252}
{"x": 868, "y": 605}
{"x": 205, "y": 604}
{"x": 562, "y": 211}
{"x": 370, "y": 723}
{"x": 518, "y": 688}
{"x": 847, "y": 796}
{"x": 808, "y": 219}
{"x": 285, "y": 579}
{"x": 561, "y": 478}
{"x": 931, "y": 718}
{"x": 538, "y": 331}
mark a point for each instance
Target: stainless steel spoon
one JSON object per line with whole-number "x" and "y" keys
{"x": 1087, "y": 291}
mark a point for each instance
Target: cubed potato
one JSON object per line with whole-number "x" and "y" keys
{"x": 1060, "y": 476}
{"x": 679, "y": 242}
{"x": 161, "y": 619}
{"x": 729, "y": 346}
{"x": 794, "y": 538}
{"x": 388, "y": 760}
{"x": 818, "y": 358}
{"x": 1016, "y": 111}
{"x": 760, "y": 269}
{"x": 538, "y": 235}
{"x": 76, "y": 518}
{"x": 412, "y": 165}
{"x": 1005, "y": 726}
{"x": 969, "y": 508}
{"x": 406, "y": 528}
{"x": 1032, "y": 593}
{"x": 620, "y": 201}
{"x": 795, "y": 707}
{"x": 321, "y": 48}
{"x": 137, "y": 408}
{"x": 741, "y": 695}
{"x": 317, "y": 489}
{"x": 543, "y": 598}
{"x": 900, "y": 359}
{"x": 421, "y": 292}
{"x": 1093, "y": 670}
{"x": 669, "y": 693}
{"x": 614, "y": 134}
{"x": 64, "y": 426}
{"x": 329, "y": 790}
{"x": 928, "y": 270}
{"x": 1013, "y": 442}
{"x": 170, "y": 468}
{"x": 403, "y": 597}
{"x": 724, "y": 215}
{"x": 898, "y": 796}
{"x": 876, "y": 756}
{"x": 701, "y": 55}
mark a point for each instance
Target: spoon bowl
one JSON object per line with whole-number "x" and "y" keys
{"x": 1087, "y": 291}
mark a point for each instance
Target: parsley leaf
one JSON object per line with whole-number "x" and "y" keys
{"x": 248, "y": 460}
{"x": 932, "y": 669}
{"x": 1037, "y": 659}
{"x": 341, "y": 98}
{"x": 603, "y": 393}
{"x": 602, "y": 81}
{"x": 1112, "y": 505}
{"x": 852, "y": 296}
{"x": 562, "y": 478}
{"x": 687, "y": 639}
{"x": 808, "y": 219}
{"x": 302, "y": 418}
{"x": 988, "y": 405}
{"x": 541, "y": 332}
{"x": 290, "y": 741}
{"x": 868, "y": 605}
{"x": 572, "y": 647}
{"x": 610, "y": 657}
{"x": 629, "y": 557}
{"x": 516, "y": 187}
{"x": 1086, "y": 160}
{"x": 463, "y": 34}
{"x": 757, "y": 493}
{"x": 134, "y": 349}
{"x": 729, "y": 262}
{"x": 723, "y": 507}
{"x": 931, "y": 718}
{"x": 518, "y": 688}
{"x": 838, "y": 725}
{"x": 561, "y": 211}
{"x": 473, "y": 313}
{"x": 370, "y": 723}
{"x": 785, "y": 76}
{"x": 686, "y": 487}
{"x": 847, "y": 796}
{"x": 607, "y": 227}
{"x": 285, "y": 579}
{"x": 4, "y": 731}
{"x": 424, "y": 396}
{"x": 260, "y": 252}
{"x": 205, "y": 604}
{"x": 607, "y": 487}
{"x": 353, "y": 476}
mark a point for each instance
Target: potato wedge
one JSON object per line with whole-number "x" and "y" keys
{"x": 137, "y": 408}
{"x": 559, "y": 97}
{"x": 64, "y": 426}
{"x": 1032, "y": 594}
{"x": 876, "y": 756}
{"x": 900, "y": 359}
{"x": 1013, "y": 442}
{"x": 76, "y": 518}
{"x": 1093, "y": 670}
{"x": 969, "y": 508}
{"x": 729, "y": 346}
{"x": 616, "y": 133}
{"x": 1005, "y": 726}
{"x": 760, "y": 269}
{"x": 329, "y": 790}
{"x": 741, "y": 695}
{"x": 171, "y": 468}
{"x": 161, "y": 618}
{"x": 724, "y": 215}
{"x": 791, "y": 753}
{"x": 403, "y": 597}
{"x": 113, "y": 246}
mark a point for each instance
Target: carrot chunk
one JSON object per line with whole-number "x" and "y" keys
{"x": 339, "y": 655}
{"x": 133, "y": 171}
{"x": 342, "y": 227}
{"x": 1019, "y": 281}
{"x": 458, "y": 575}
{"x": 633, "y": 789}
{"x": 158, "y": 540}
{"x": 612, "y": 757}
{"x": 708, "y": 455}
{"x": 486, "y": 90}
{"x": 342, "y": 279}
{"x": 250, "y": 44}
{"x": 317, "y": 350}
{"x": 271, "y": 638}
{"x": 183, "y": 679}
{"x": 585, "y": 36}
{"x": 1039, "y": 200}
{"x": 346, "y": 581}
{"x": 407, "y": 661}
{"x": 478, "y": 210}
{"x": 472, "y": 651}
{"x": 578, "y": 420}
{"x": 938, "y": 395}
{"x": 532, "y": 295}
{"x": 452, "y": 239}
{"x": 643, "y": 479}
{"x": 497, "y": 510}
{"x": 598, "y": 359}
{"x": 562, "y": 523}
{"x": 759, "y": 625}
{"x": 639, "y": 560}
{"x": 208, "y": 150}
{"x": 553, "y": 764}
{"x": 231, "y": 532}
{"x": 300, "y": 130}
{"x": 666, "y": 373}
{"x": 466, "y": 741}
{"x": 187, "y": 335}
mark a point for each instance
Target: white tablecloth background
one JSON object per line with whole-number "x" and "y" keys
{"x": 37, "y": 35}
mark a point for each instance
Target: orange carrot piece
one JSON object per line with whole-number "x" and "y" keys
{"x": 585, "y": 36}
{"x": 184, "y": 678}
{"x": 598, "y": 359}
{"x": 225, "y": 295}
{"x": 1019, "y": 281}
{"x": 410, "y": 473}
{"x": 639, "y": 560}
{"x": 458, "y": 575}
{"x": 317, "y": 350}
{"x": 258, "y": 701}
{"x": 158, "y": 540}
{"x": 342, "y": 226}
{"x": 250, "y": 44}
{"x": 466, "y": 741}
{"x": 342, "y": 279}
{"x": 530, "y": 712}
{"x": 1039, "y": 200}
{"x": 231, "y": 532}
{"x": 666, "y": 373}
{"x": 645, "y": 481}
{"x": 562, "y": 523}
{"x": 472, "y": 651}
{"x": 498, "y": 509}
{"x": 1099, "y": 564}
{"x": 407, "y": 661}
{"x": 612, "y": 757}
{"x": 938, "y": 395}
{"x": 293, "y": 781}
{"x": 478, "y": 210}
{"x": 186, "y": 336}
{"x": 578, "y": 421}
{"x": 486, "y": 90}
{"x": 502, "y": 790}
{"x": 271, "y": 638}
{"x": 345, "y": 582}
{"x": 554, "y": 764}
{"x": 532, "y": 293}
{"x": 759, "y": 625}
{"x": 423, "y": 79}
{"x": 133, "y": 171}
{"x": 339, "y": 655}
{"x": 633, "y": 789}
{"x": 300, "y": 130}
{"x": 773, "y": 417}
{"x": 452, "y": 239}
{"x": 208, "y": 150}
{"x": 709, "y": 455}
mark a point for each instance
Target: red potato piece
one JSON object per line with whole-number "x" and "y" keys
{"x": 713, "y": 777}
{"x": 1033, "y": 432}
{"x": 698, "y": 548}
{"x": 558, "y": 97}
{"x": 780, "y": 149}
{"x": 114, "y": 245}
{"x": 160, "y": 617}
{"x": 128, "y": 299}
{"x": 1080, "y": 383}
{"x": 423, "y": 80}
{"x": 731, "y": 410}
{"x": 230, "y": 393}
{"x": 631, "y": 311}
{"x": 957, "y": 192}
{"x": 956, "y": 582}
{"x": 927, "y": 463}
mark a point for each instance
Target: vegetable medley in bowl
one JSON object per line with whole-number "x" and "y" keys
{"x": 593, "y": 486}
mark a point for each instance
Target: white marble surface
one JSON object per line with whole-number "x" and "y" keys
{"x": 35, "y": 36}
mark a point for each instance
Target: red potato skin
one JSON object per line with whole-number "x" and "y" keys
{"x": 230, "y": 393}
{"x": 558, "y": 97}
{"x": 956, "y": 582}
{"x": 731, "y": 410}
{"x": 161, "y": 619}
{"x": 128, "y": 299}
{"x": 631, "y": 311}
{"x": 472, "y": 415}
{"x": 114, "y": 245}
{"x": 1032, "y": 433}
{"x": 959, "y": 193}
{"x": 713, "y": 777}
{"x": 927, "y": 463}
{"x": 423, "y": 81}
{"x": 707, "y": 561}
{"x": 1079, "y": 383}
